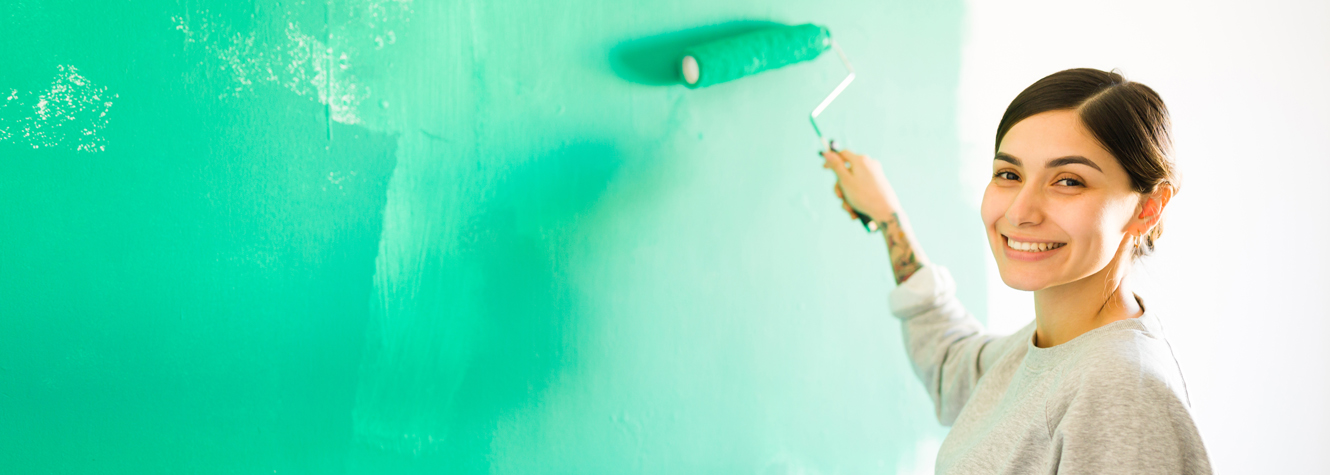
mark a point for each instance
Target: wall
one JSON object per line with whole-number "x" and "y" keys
{"x": 378, "y": 236}
{"x": 1238, "y": 275}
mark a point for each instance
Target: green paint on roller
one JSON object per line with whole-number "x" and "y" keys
{"x": 751, "y": 53}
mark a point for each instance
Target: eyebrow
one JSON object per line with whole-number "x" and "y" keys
{"x": 1057, "y": 162}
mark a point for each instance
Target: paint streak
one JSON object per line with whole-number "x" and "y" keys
{"x": 572, "y": 270}
{"x": 569, "y": 281}
{"x": 327, "y": 70}
{"x": 69, "y": 114}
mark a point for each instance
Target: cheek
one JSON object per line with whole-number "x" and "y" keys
{"x": 1113, "y": 221}
{"x": 993, "y": 206}
{"x": 1094, "y": 225}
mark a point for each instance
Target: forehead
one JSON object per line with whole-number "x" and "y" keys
{"x": 1054, "y": 134}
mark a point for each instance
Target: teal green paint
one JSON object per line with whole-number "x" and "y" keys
{"x": 497, "y": 243}
{"x": 69, "y": 113}
{"x": 654, "y": 60}
{"x": 744, "y": 55}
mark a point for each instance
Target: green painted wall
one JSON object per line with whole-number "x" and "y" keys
{"x": 377, "y": 236}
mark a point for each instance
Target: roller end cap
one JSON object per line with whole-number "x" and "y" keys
{"x": 690, "y": 71}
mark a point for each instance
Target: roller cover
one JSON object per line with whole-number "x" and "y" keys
{"x": 751, "y": 53}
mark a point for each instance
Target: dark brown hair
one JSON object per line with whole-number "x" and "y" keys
{"x": 1127, "y": 118}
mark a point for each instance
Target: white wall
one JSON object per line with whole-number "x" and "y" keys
{"x": 1240, "y": 277}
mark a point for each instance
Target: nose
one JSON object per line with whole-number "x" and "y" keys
{"x": 1027, "y": 208}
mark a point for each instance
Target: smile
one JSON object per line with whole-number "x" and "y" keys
{"x": 1032, "y": 246}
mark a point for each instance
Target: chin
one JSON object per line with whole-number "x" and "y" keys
{"x": 1025, "y": 282}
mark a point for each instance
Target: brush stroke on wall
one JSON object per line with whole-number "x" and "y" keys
{"x": 375, "y": 236}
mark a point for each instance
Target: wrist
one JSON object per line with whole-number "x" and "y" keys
{"x": 883, "y": 215}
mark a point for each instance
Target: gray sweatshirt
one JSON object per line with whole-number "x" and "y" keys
{"x": 1111, "y": 400}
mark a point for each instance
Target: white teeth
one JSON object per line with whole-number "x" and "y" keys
{"x": 1033, "y": 246}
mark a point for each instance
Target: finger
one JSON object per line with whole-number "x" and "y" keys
{"x": 836, "y": 164}
{"x": 850, "y": 163}
{"x": 830, "y": 158}
{"x": 849, "y": 209}
{"x": 839, "y": 194}
{"x": 855, "y": 159}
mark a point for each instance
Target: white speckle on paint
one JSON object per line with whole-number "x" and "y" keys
{"x": 337, "y": 178}
{"x": 68, "y": 114}
{"x": 296, "y": 60}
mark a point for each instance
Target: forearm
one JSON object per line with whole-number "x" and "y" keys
{"x": 944, "y": 341}
{"x": 906, "y": 255}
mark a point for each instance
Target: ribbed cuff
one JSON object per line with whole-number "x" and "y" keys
{"x": 927, "y": 289}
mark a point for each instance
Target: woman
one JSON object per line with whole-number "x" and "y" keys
{"x": 1081, "y": 177}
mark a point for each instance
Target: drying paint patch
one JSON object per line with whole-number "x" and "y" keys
{"x": 923, "y": 460}
{"x": 326, "y": 69}
{"x": 69, "y": 114}
{"x": 785, "y": 463}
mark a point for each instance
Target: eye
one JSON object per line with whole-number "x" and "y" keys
{"x": 1006, "y": 175}
{"x": 1071, "y": 182}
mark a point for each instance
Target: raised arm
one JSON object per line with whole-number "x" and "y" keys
{"x": 862, "y": 186}
{"x": 948, "y": 348}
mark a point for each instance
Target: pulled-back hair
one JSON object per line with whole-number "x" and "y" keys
{"x": 1127, "y": 118}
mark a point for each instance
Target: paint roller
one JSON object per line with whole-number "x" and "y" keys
{"x": 750, "y": 53}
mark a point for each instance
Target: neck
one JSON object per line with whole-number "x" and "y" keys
{"x": 1069, "y": 310}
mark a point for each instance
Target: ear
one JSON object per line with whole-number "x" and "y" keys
{"x": 1151, "y": 208}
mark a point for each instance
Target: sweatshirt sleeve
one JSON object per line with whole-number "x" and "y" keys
{"x": 945, "y": 343}
{"x": 1125, "y": 419}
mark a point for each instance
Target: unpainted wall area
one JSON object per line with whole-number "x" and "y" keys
{"x": 384, "y": 236}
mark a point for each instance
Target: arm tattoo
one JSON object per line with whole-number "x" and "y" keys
{"x": 903, "y": 262}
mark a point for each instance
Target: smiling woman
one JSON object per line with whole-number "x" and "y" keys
{"x": 1082, "y": 173}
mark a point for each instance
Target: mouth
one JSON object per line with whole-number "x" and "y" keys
{"x": 1031, "y": 247}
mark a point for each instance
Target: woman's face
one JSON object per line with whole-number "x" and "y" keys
{"x": 1059, "y": 206}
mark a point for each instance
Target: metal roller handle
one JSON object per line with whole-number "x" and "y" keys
{"x": 869, "y": 225}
